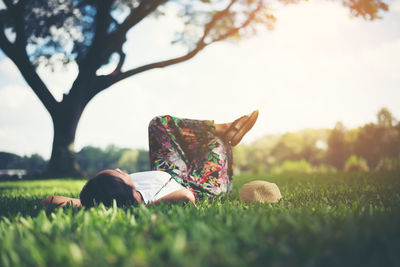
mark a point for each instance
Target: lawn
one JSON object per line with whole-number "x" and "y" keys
{"x": 336, "y": 219}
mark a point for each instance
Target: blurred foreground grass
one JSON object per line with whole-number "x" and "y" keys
{"x": 336, "y": 219}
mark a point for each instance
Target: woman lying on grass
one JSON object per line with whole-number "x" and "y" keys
{"x": 190, "y": 159}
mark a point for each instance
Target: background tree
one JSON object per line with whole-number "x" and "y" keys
{"x": 257, "y": 157}
{"x": 92, "y": 159}
{"x": 314, "y": 145}
{"x": 134, "y": 160}
{"x": 338, "y": 150}
{"x": 385, "y": 118}
{"x": 289, "y": 147}
{"x": 91, "y": 32}
{"x": 376, "y": 142}
{"x": 33, "y": 164}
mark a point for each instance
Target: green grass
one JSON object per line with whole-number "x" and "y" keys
{"x": 324, "y": 220}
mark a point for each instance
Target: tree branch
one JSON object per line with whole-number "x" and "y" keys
{"x": 105, "y": 81}
{"x": 105, "y": 44}
{"x": 5, "y": 44}
{"x": 108, "y": 80}
{"x": 19, "y": 24}
{"x": 115, "y": 40}
{"x": 215, "y": 19}
{"x": 94, "y": 58}
{"x": 114, "y": 20}
{"x": 17, "y": 53}
{"x": 244, "y": 24}
{"x": 17, "y": 12}
{"x": 121, "y": 61}
{"x": 8, "y": 4}
{"x": 28, "y": 71}
{"x": 138, "y": 14}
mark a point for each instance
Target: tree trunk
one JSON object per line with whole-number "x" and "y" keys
{"x": 65, "y": 121}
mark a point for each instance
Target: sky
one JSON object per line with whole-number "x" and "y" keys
{"x": 317, "y": 67}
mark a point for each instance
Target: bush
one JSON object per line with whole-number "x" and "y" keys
{"x": 354, "y": 163}
{"x": 289, "y": 166}
{"x": 324, "y": 168}
{"x": 389, "y": 164}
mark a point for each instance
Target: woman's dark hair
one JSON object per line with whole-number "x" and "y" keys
{"x": 104, "y": 188}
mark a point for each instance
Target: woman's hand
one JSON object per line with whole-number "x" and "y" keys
{"x": 62, "y": 201}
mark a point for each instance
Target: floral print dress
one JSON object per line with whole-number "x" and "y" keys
{"x": 192, "y": 154}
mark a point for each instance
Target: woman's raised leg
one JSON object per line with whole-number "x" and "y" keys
{"x": 192, "y": 153}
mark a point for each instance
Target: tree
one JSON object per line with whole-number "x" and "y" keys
{"x": 9, "y": 160}
{"x": 134, "y": 160}
{"x": 92, "y": 159}
{"x": 338, "y": 150}
{"x": 376, "y": 142}
{"x": 91, "y": 32}
{"x": 314, "y": 142}
{"x": 33, "y": 164}
{"x": 289, "y": 147}
{"x": 385, "y": 118}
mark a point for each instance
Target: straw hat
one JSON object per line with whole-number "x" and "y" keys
{"x": 260, "y": 191}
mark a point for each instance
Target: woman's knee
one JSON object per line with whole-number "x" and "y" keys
{"x": 158, "y": 120}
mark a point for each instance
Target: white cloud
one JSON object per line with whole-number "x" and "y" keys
{"x": 8, "y": 68}
{"x": 59, "y": 81}
{"x": 25, "y": 126}
{"x": 395, "y": 6}
{"x": 15, "y": 97}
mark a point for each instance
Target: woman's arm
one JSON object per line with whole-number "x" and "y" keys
{"x": 62, "y": 201}
{"x": 183, "y": 195}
